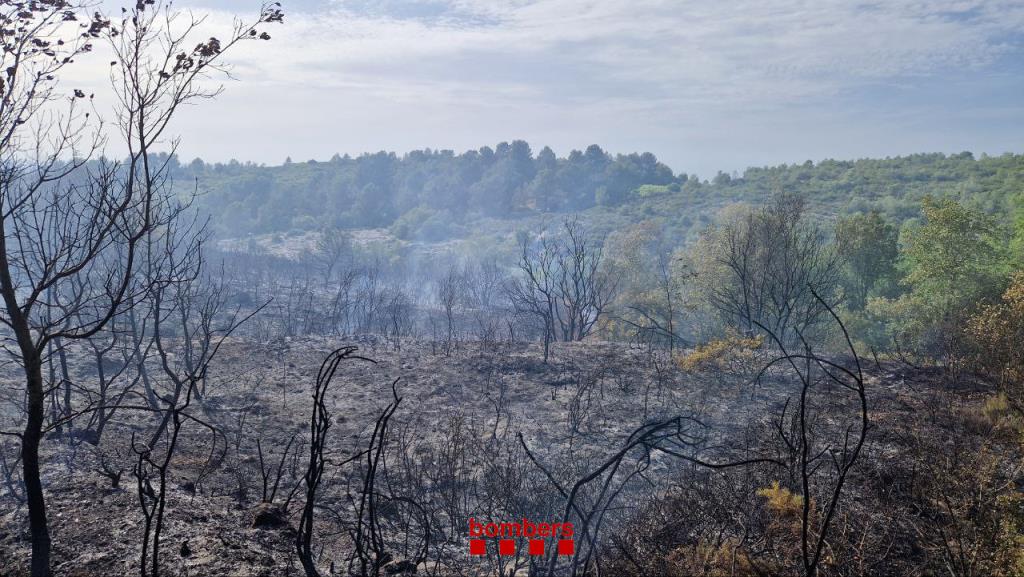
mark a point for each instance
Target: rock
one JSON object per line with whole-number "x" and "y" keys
{"x": 269, "y": 516}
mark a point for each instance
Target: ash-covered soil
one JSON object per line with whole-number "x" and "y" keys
{"x": 571, "y": 411}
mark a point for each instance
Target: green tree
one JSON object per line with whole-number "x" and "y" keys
{"x": 869, "y": 245}
{"x": 956, "y": 258}
{"x": 651, "y": 282}
{"x": 954, "y": 261}
{"x": 1017, "y": 242}
{"x": 372, "y": 207}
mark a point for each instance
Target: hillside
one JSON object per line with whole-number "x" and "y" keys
{"x": 432, "y": 195}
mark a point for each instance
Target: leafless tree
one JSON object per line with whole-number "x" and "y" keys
{"x": 341, "y": 310}
{"x": 759, "y": 266}
{"x": 370, "y": 554}
{"x": 51, "y": 230}
{"x": 109, "y": 469}
{"x": 449, "y": 292}
{"x": 108, "y": 372}
{"x": 368, "y": 298}
{"x": 271, "y": 476}
{"x": 483, "y": 282}
{"x": 333, "y": 253}
{"x": 71, "y": 232}
{"x": 399, "y": 312}
{"x": 294, "y": 307}
{"x": 562, "y": 284}
{"x": 139, "y": 329}
{"x": 590, "y": 497}
{"x": 485, "y": 300}
{"x": 818, "y": 456}
{"x": 11, "y": 480}
{"x": 496, "y": 390}
{"x": 179, "y": 291}
{"x": 534, "y": 293}
{"x": 584, "y": 291}
{"x": 319, "y": 423}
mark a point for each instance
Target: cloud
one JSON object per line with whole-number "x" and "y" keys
{"x": 463, "y": 73}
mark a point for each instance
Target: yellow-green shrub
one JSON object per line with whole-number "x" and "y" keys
{"x": 997, "y": 333}
{"x": 731, "y": 354}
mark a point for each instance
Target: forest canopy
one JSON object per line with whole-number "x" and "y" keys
{"x": 420, "y": 194}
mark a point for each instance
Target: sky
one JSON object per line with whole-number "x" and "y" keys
{"x": 705, "y": 85}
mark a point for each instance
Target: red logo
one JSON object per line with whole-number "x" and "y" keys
{"x": 537, "y": 535}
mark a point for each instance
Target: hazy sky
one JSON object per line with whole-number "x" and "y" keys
{"x": 705, "y": 85}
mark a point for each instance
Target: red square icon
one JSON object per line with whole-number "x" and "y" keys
{"x": 566, "y": 546}
{"x": 506, "y": 547}
{"x": 477, "y": 547}
{"x": 536, "y": 546}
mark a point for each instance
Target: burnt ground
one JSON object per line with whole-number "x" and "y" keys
{"x": 571, "y": 411}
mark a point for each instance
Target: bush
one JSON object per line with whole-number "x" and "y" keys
{"x": 996, "y": 332}
{"x": 426, "y": 224}
{"x": 781, "y": 501}
{"x": 731, "y": 354}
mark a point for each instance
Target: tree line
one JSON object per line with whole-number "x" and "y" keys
{"x": 425, "y": 194}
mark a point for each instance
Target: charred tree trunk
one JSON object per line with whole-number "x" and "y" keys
{"x": 31, "y": 468}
